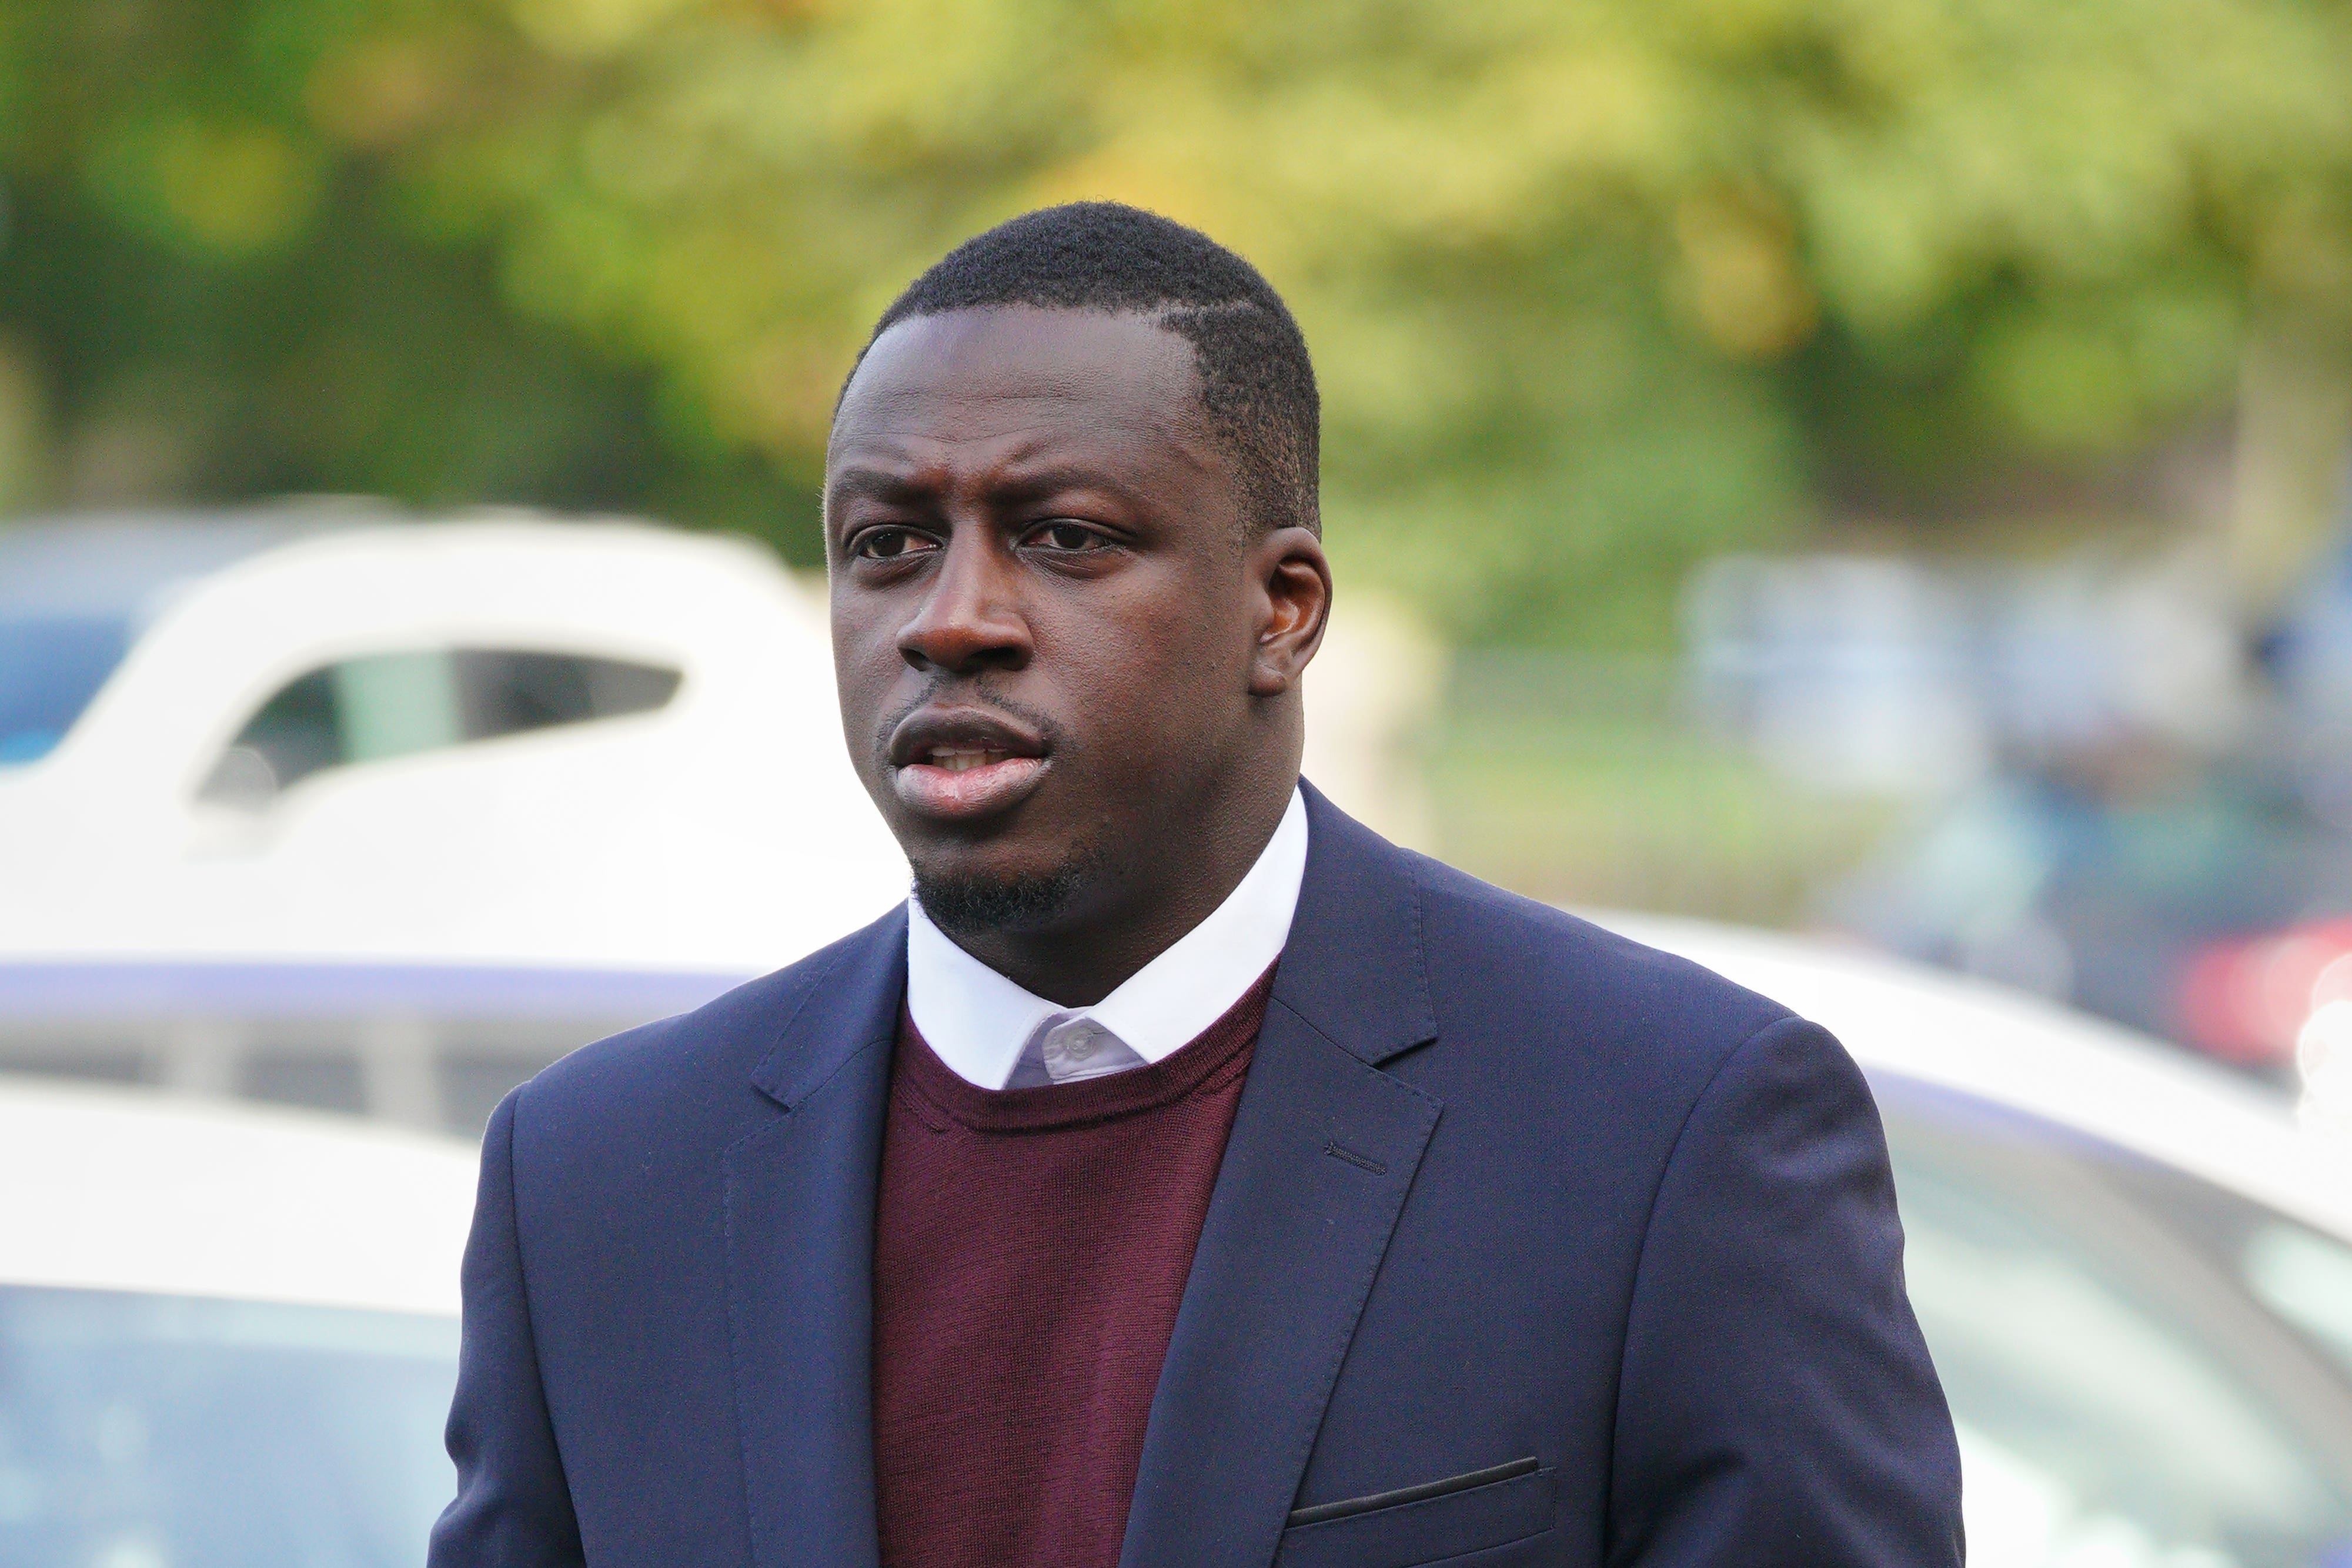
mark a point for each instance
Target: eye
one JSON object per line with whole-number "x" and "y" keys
{"x": 889, "y": 544}
{"x": 1068, "y": 537}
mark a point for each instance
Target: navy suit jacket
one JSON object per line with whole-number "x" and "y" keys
{"x": 1589, "y": 1253}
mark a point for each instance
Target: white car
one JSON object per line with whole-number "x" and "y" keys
{"x": 340, "y": 734}
{"x": 227, "y": 1336}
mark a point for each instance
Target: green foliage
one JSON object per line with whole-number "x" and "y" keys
{"x": 1595, "y": 285}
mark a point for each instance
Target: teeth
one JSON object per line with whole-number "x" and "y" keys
{"x": 963, "y": 759}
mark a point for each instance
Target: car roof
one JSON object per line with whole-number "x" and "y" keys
{"x": 54, "y": 989}
{"x": 2017, "y": 1051}
{"x": 120, "y": 1189}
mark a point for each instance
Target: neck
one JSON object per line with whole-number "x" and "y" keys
{"x": 1132, "y": 913}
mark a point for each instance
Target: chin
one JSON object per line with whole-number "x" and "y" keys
{"x": 965, "y": 896}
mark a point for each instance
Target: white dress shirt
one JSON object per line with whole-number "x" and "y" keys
{"x": 997, "y": 1035}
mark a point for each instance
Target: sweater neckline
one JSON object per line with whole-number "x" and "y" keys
{"x": 1207, "y": 1061}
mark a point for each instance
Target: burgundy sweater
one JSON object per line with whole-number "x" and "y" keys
{"x": 1031, "y": 1247}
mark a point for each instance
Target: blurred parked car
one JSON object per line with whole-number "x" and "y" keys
{"x": 332, "y": 732}
{"x": 227, "y": 1336}
{"x": 431, "y": 1046}
{"x": 2103, "y": 778}
{"x": 2098, "y": 879}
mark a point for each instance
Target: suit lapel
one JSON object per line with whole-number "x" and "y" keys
{"x": 799, "y": 1251}
{"x": 1323, "y": 1149}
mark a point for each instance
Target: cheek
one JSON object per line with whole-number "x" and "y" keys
{"x": 1149, "y": 691}
{"x": 864, "y": 667}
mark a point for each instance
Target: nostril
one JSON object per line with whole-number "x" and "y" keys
{"x": 957, "y": 645}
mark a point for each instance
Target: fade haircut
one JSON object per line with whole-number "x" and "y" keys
{"x": 1258, "y": 385}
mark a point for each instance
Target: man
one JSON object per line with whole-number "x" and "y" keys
{"x": 1184, "y": 1176}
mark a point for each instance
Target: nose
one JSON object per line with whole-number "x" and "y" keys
{"x": 970, "y": 620}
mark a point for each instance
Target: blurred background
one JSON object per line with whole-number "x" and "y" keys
{"x": 1875, "y": 471}
{"x": 1879, "y": 466}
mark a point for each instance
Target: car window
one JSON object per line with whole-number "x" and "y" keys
{"x": 401, "y": 702}
{"x": 156, "y": 1431}
{"x": 2305, "y": 1278}
{"x": 50, "y": 668}
{"x": 2118, "y": 1401}
{"x": 2302, "y": 1276}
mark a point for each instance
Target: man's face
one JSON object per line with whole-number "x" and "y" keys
{"x": 1044, "y": 624}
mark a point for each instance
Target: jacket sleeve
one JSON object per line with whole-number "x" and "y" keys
{"x": 1776, "y": 1405}
{"x": 513, "y": 1509}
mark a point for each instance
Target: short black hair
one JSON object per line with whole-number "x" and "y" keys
{"x": 1258, "y": 385}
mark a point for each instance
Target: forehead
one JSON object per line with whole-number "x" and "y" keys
{"x": 987, "y": 375}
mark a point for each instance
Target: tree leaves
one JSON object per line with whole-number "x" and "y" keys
{"x": 1594, "y": 286}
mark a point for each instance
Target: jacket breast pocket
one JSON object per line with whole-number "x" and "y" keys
{"x": 1421, "y": 1524}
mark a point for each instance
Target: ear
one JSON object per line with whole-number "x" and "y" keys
{"x": 1291, "y": 580}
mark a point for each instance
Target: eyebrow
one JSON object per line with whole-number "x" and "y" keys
{"x": 1040, "y": 483}
{"x": 874, "y": 483}
{"x": 856, "y": 483}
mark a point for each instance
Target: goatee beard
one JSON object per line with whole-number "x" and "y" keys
{"x": 975, "y": 906}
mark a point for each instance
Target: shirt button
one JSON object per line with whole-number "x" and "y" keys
{"x": 1082, "y": 1044}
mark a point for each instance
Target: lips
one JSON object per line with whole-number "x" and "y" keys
{"x": 964, "y": 764}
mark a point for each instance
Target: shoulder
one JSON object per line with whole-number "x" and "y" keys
{"x": 697, "y": 1067}
{"x": 1488, "y": 949}
{"x": 1506, "y": 968}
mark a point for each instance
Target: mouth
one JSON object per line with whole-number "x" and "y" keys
{"x": 963, "y": 759}
{"x": 964, "y": 765}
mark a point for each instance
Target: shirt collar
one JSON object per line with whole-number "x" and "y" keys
{"x": 977, "y": 1021}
